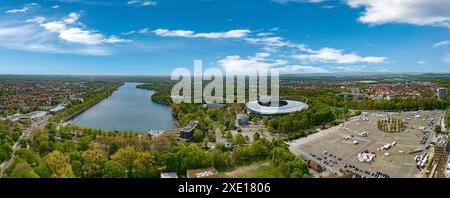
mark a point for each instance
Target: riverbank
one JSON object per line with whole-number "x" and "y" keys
{"x": 90, "y": 102}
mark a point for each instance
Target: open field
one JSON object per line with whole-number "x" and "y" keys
{"x": 343, "y": 143}
{"x": 263, "y": 169}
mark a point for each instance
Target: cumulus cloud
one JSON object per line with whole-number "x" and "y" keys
{"x": 69, "y": 31}
{"x": 28, "y": 37}
{"x": 261, "y": 61}
{"x": 416, "y": 12}
{"x": 40, "y": 34}
{"x": 24, "y": 9}
{"x": 330, "y": 55}
{"x": 211, "y": 35}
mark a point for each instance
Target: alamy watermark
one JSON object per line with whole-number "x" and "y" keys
{"x": 229, "y": 86}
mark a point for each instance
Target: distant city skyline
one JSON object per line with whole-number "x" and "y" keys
{"x": 143, "y": 37}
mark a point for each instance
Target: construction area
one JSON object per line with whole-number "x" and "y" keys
{"x": 359, "y": 147}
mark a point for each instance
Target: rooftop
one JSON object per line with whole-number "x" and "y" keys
{"x": 203, "y": 173}
{"x": 284, "y": 107}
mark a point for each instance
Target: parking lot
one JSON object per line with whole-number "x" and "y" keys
{"x": 337, "y": 148}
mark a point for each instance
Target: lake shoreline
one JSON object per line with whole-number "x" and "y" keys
{"x": 127, "y": 109}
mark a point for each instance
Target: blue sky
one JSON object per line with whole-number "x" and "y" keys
{"x": 143, "y": 37}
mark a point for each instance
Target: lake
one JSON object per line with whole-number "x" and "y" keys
{"x": 127, "y": 109}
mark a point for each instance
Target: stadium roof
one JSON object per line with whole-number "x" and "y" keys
{"x": 289, "y": 107}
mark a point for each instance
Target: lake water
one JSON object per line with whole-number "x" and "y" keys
{"x": 127, "y": 109}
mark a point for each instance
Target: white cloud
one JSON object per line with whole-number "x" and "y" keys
{"x": 38, "y": 19}
{"x": 441, "y": 44}
{"x": 238, "y": 65}
{"x": 55, "y": 7}
{"x": 264, "y": 34}
{"x": 330, "y": 55}
{"x": 302, "y": 69}
{"x": 142, "y": 3}
{"x": 212, "y": 35}
{"x": 67, "y": 31}
{"x": 417, "y": 12}
{"x": 422, "y": 62}
{"x": 30, "y": 37}
{"x": 261, "y": 61}
{"x": 24, "y": 9}
{"x": 143, "y": 31}
{"x": 447, "y": 58}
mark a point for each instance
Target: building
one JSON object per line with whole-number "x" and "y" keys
{"x": 441, "y": 149}
{"x": 315, "y": 166}
{"x": 356, "y": 91}
{"x": 36, "y": 115}
{"x": 215, "y": 106}
{"x": 441, "y": 92}
{"x": 278, "y": 109}
{"x": 350, "y": 96}
{"x": 203, "y": 173}
{"x": 169, "y": 175}
{"x": 447, "y": 169}
{"x": 242, "y": 119}
{"x": 57, "y": 109}
{"x": 187, "y": 132}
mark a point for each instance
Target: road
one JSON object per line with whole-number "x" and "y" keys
{"x": 26, "y": 135}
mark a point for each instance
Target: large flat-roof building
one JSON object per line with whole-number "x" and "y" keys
{"x": 268, "y": 110}
{"x": 441, "y": 92}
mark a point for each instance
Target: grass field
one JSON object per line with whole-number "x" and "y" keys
{"x": 263, "y": 169}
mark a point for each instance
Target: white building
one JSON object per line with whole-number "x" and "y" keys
{"x": 441, "y": 92}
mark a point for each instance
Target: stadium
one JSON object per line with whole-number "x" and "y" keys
{"x": 267, "y": 110}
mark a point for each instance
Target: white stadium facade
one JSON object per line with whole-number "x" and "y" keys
{"x": 267, "y": 110}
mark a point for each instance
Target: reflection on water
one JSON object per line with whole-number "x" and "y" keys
{"x": 128, "y": 108}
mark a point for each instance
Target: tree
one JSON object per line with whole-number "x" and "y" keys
{"x": 348, "y": 175}
{"x": 192, "y": 157}
{"x": 40, "y": 136}
{"x": 172, "y": 162}
{"x": 145, "y": 165}
{"x": 437, "y": 128}
{"x": 229, "y": 136}
{"x": 205, "y": 143}
{"x": 240, "y": 139}
{"x": 113, "y": 148}
{"x": 77, "y": 168}
{"x": 3, "y": 155}
{"x": 256, "y": 136}
{"x": 23, "y": 170}
{"x": 93, "y": 160}
{"x": 126, "y": 157}
{"x": 114, "y": 169}
{"x": 85, "y": 142}
{"x": 198, "y": 135}
{"x": 58, "y": 165}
